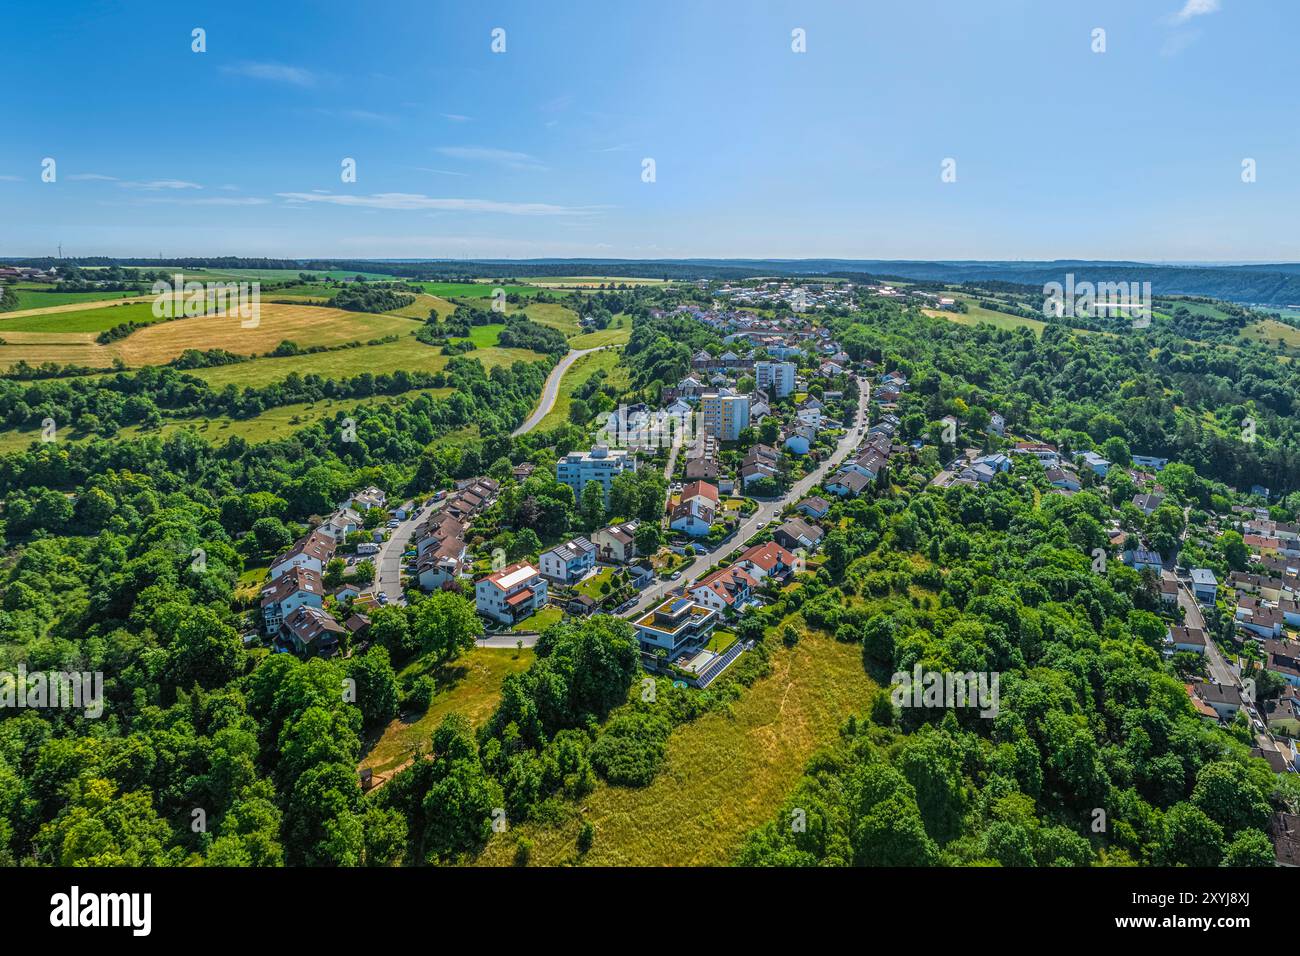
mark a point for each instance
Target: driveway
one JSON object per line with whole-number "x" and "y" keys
{"x": 767, "y": 510}
{"x": 551, "y": 390}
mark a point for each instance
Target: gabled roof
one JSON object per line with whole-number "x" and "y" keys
{"x": 767, "y": 556}
{"x": 315, "y": 544}
{"x": 293, "y": 581}
{"x": 701, "y": 489}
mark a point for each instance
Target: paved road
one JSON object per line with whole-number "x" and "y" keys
{"x": 508, "y": 640}
{"x": 767, "y": 510}
{"x": 1192, "y": 617}
{"x": 388, "y": 563}
{"x": 551, "y": 390}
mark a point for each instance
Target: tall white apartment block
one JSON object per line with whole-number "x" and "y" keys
{"x": 775, "y": 378}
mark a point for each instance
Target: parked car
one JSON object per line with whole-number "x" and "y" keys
{"x": 675, "y": 575}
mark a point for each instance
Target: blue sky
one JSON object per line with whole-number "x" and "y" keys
{"x": 759, "y": 151}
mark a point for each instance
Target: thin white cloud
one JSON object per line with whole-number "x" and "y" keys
{"x": 439, "y": 172}
{"x": 360, "y": 116}
{"x": 457, "y": 117}
{"x": 274, "y": 72}
{"x": 92, "y": 177}
{"x": 156, "y": 184}
{"x": 506, "y": 158}
{"x": 205, "y": 201}
{"x": 418, "y": 201}
{"x": 1196, "y": 8}
{"x": 11, "y": 179}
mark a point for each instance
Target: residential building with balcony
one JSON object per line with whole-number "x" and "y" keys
{"x": 511, "y": 594}
{"x": 601, "y": 464}
{"x": 675, "y": 625}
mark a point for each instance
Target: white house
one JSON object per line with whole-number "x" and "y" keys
{"x": 510, "y": 594}
{"x": 568, "y": 562}
{"x": 312, "y": 551}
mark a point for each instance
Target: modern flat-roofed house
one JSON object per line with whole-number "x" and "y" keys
{"x": 675, "y": 624}
{"x": 1205, "y": 586}
{"x": 510, "y": 594}
{"x": 617, "y": 543}
{"x": 313, "y": 632}
{"x": 1149, "y": 461}
{"x": 568, "y": 562}
{"x": 601, "y": 465}
{"x": 313, "y": 551}
{"x": 296, "y": 587}
{"x": 1095, "y": 463}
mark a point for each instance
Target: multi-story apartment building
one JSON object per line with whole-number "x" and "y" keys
{"x": 775, "y": 378}
{"x": 724, "y": 414}
{"x": 601, "y": 464}
{"x": 510, "y": 594}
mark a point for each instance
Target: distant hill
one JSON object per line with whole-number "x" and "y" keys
{"x": 1261, "y": 284}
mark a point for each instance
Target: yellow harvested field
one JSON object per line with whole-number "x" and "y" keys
{"x": 307, "y": 325}
{"x": 423, "y": 305}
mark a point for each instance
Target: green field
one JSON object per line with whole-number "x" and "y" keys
{"x": 88, "y": 320}
{"x": 618, "y": 333}
{"x": 722, "y": 775}
{"x": 977, "y": 314}
{"x": 1270, "y": 332}
{"x": 36, "y": 296}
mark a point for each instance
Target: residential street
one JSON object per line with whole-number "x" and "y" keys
{"x": 767, "y": 510}
{"x": 1193, "y": 617}
{"x": 551, "y": 390}
{"x": 388, "y": 562}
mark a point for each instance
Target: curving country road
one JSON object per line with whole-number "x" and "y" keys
{"x": 551, "y": 390}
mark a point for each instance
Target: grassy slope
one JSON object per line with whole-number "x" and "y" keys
{"x": 578, "y": 373}
{"x": 723, "y": 774}
{"x": 470, "y": 686}
{"x": 407, "y": 353}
